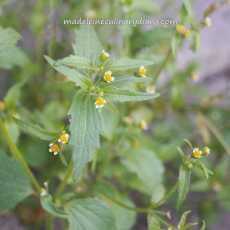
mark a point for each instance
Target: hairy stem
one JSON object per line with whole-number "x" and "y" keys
{"x": 163, "y": 64}
{"x": 139, "y": 210}
{"x": 68, "y": 174}
{"x": 18, "y": 155}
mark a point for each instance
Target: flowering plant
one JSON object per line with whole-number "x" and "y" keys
{"x": 104, "y": 131}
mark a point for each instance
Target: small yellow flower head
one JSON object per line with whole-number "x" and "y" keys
{"x": 54, "y": 148}
{"x": 142, "y": 71}
{"x": 207, "y": 21}
{"x": 2, "y": 106}
{"x": 196, "y": 153}
{"x": 64, "y": 138}
{"x": 108, "y": 77}
{"x": 143, "y": 125}
{"x": 104, "y": 56}
{"x": 100, "y": 102}
{"x": 195, "y": 76}
{"x": 206, "y": 151}
{"x": 182, "y": 30}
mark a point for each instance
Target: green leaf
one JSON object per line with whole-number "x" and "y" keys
{"x": 85, "y": 128}
{"x": 195, "y": 42}
{"x": 182, "y": 223}
{"x": 203, "y": 227}
{"x": 127, "y": 81}
{"x": 147, "y": 6}
{"x": 154, "y": 222}
{"x": 204, "y": 169}
{"x": 72, "y": 74}
{"x": 35, "y": 130}
{"x": 125, "y": 64}
{"x": 110, "y": 121}
{"x": 10, "y": 55}
{"x": 183, "y": 184}
{"x": 187, "y": 6}
{"x": 75, "y": 61}
{"x": 14, "y": 183}
{"x": 174, "y": 44}
{"x": 14, "y": 93}
{"x": 90, "y": 214}
{"x": 49, "y": 206}
{"x": 123, "y": 95}
{"x": 87, "y": 43}
{"x": 124, "y": 217}
{"x": 147, "y": 166}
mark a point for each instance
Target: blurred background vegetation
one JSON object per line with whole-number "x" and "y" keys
{"x": 194, "y": 104}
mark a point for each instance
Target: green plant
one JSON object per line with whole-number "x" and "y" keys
{"x": 82, "y": 141}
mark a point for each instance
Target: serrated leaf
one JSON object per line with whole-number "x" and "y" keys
{"x": 123, "y": 95}
{"x": 75, "y": 61}
{"x": 124, "y": 217}
{"x": 72, "y": 74}
{"x": 147, "y": 166}
{"x": 183, "y": 184}
{"x": 35, "y": 130}
{"x": 10, "y": 55}
{"x": 85, "y": 128}
{"x": 90, "y": 214}
{"x": 87, "y": 43}
{"x": 125, "y": 64}
{"x": 49, "y": 206}
{"x": 14, "y": 183}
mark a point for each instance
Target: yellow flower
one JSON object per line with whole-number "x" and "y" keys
{"x": 143, "y": 125}
{"x": 100, "y": 102}
{"x": 182, "y": 30}
{"x": 207, "y": 21}
{"x": 195, "y": 76}
{"x": 108, "y": 77}
{"x": 104, "y": 56}
{"x": 54, "y": 148}
{"x": 142, "y": 71}
{"x": 2, "y": 106}
{"x": 196, "y": 153}
{"x": 63, "y": 138}
{"x": 206, "y": 151}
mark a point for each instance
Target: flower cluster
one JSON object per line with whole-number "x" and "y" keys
{"x": 197, "y": 153}
{"x": 182, "y": 30}
{"x": 108, "y": 78}
{"x": 63, "y": 139}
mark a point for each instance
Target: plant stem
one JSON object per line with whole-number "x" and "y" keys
{"x": 18, "y": 155}
{"x": 163, "y": 64}
{"x": 49, "y": 222}
{"x": 212, "y": 127}
{"x": 139, "y": 210}
{"x": 68, "y": 174}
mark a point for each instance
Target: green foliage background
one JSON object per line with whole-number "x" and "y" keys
{"x": 124, "y": 177}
